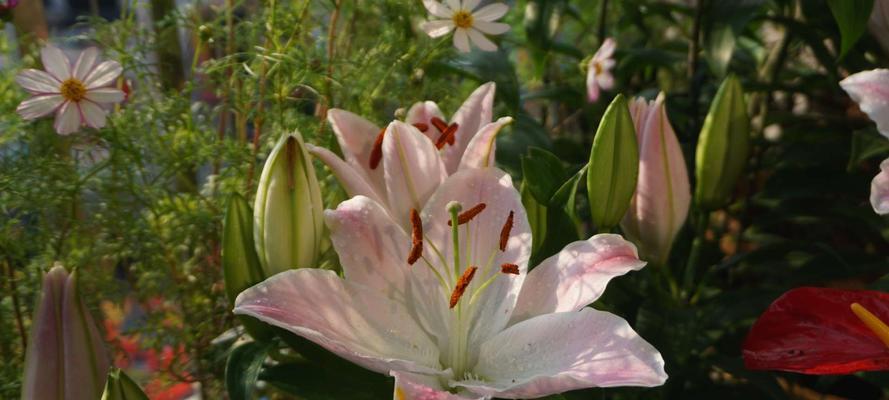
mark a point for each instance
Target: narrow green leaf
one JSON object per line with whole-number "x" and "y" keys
{"x": 567, "y": 193}
{"x": 614, "y": 166}
{"x": 120, "y": 386}
{"x": 851, "y": 17}
{"x": 536, "y": 218}
{"x": 243, "y": 368}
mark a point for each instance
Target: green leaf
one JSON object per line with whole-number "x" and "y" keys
{"x": 567, "y": 193}
{"x": 242, "y": 369}
{"x": 851, "y": 16}
{"x": 307, "y": 381}
{"x": 542, "y": 173}
{"x": 723, "y": 146}
{"x": 866, "y": 144}
{"x": 614, "y": 166}
{"x": 536, "y": 218}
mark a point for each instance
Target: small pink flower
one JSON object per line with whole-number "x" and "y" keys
{"x": 467, "y": 22}
{"x": 75, "y": 93}
{"x": 870, "y": 89}
{"x": 8, "y": 4}
{"x": 598, "y": 74}
{"x": 879, "y": 189}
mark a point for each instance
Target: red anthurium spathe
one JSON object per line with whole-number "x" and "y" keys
{"x": 821, "y": 331}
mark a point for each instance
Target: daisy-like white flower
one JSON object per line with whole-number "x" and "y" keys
{"x": 469, "y": 24}
{"x": 75, "y": 93}
{"x": 598, "y": 74}
{"x": 449, "y": 307}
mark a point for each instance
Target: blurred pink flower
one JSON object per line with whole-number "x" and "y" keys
{"x": 870, "y": 89}
{"x": 8, "y": 4}
{"x": 660, "y": 205}
{"x": 466, "y": 320}
{"x": 401, "y": 165}
{"x": 598, "y": 75}
{"x": 470, "y": 25}
{"x": 75, "y": 93}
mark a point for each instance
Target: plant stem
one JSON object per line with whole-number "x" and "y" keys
{"x": 694, "y": 86}
{"x": 603, "y": 11}
{"x": 702, "y": 219}
{"x": 16, "y": 305}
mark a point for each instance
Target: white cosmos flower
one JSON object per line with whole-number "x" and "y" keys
{"x": 75, "y": 93}
{"x": 598, "y": 74}
{"x": 469, "y": 24}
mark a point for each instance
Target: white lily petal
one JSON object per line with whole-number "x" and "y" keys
{"x": 491, "y": 12}
{"x": 351, "y": 321}
{"x": 410, "y": 386}
{"x": 461, "y": 40}
{"x": 491, "y": 28}
{"x": 481, "y": 150}
{"x": 356, "y": 137}
{"x": 412, "y": 169}
{"x": 879, "y": 189}
{"x": 576, "y": 276}
{"x": 68, "y": 119}
{"x": 353, "y": 181}
{"x": 103, "y": 74}
{"x": 437, "y": 28}
{"x": 85, "y": 63}
{"x": 480, "y": 40}
{"x": 476, "y": 112}
{"x": 555, "y": 353}
{"x": 422, "y": 112}
{"x": 38, "y": 82}
{"x": 39, "y": 106}
{"x": 870, "y": 89}
{"x": 55, "y": 62}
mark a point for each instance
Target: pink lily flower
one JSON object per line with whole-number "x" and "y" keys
{"x": 870, "y": 89}
{"x": 66, "y": 356}
{"x": 401, "y": 165}
{"x": 449, "y": 308}
{"x": 660, "y": 205}
{"x": 598, "y": 75}
{"x": 76, "y": 93}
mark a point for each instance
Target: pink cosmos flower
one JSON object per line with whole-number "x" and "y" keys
{"x": 469, "y": 25}
{"x": 76, "y": 93}
{"x": 870, "y": 89}
{"x": 598, "y": 75}
{"x": 401, "y": 165}
{"x": 8, "y": 4}
{"x": 660, "y": 205}
{"x": 449, "y": 308}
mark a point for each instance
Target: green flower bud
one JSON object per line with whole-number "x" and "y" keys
{"x": 119, "y": 386}
{"x": 288, "y": 209}
{"x": 66, "y": 356}
{"x": 240, "y": 264}
{"x": 723, "y": 146}
{"x": 614, "y": 166}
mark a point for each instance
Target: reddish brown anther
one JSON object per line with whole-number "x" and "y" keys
{"x": 462, "y": 284}
{"x": 421, "y": 127}
{"x": 447, "y": 137}
{"x": 509, "y": 269}
{"x": 469, "y": 214}
{"x": 376, "y": 155}
{"x": 504, "y": 233}
{"x": 416, "y": 238}
{"x": 439, "y": 124}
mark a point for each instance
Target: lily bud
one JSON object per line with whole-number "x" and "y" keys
{"x": 121, "y": 387}
{"x": 663, "y": 195}
{"x": 240, "y": 264}
{"x": 66, "y": 356}
{"x": 288, "y": 209}
{"x": 614, "y": 166}
{"x": 723, "y": 146}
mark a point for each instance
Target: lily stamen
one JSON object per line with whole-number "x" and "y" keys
{"x": 873, "y": 322}
{"x": 416, "y": 238}
{"x": 376, "y": 155}
{"x": 508, "y": 268}
{"x": 447, "y": 136}
{"x": 421, "y": 127}
{"x": 469, "y": 214}
{"x": 504, "y": 233}
{"x": 439, "y": 124}
{"x": 462, "y": 284}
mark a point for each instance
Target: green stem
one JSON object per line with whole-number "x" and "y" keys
{"x": 697, "y": 247}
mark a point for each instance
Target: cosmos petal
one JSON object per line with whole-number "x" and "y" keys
{"x": 39, "y": 106}
{"x": 38, "y": 82}
{"x": 55, "y": 62}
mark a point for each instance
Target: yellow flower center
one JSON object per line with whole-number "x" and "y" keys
{"x": 462, "y": 19}
{"x": 73, "y": 90}
{"x": 598, "y": 67}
